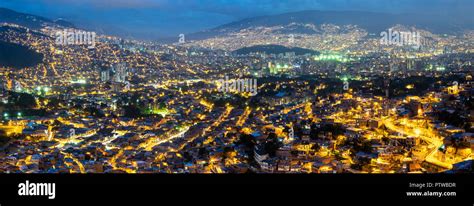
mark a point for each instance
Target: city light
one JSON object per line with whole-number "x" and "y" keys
{"x": 360, "y": 100}
{"x": 329, "y": 98}
{"x": 80, "y": 81}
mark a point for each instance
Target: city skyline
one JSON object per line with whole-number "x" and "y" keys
{"x": 303, "y": 92}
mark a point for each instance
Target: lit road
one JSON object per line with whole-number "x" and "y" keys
{"x": 79, "y": 164}
{"x": 153, "y": 141}
{"x": 414, "y": 130}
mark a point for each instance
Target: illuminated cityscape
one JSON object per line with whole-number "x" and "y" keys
{"x": 329, "y": 98}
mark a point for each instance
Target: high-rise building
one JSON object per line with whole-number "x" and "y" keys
{"x": 411, "y": 63}
{"x": 17, "y": 86}
{"x": 394, "y": 67}
{"x": 105, "y": 75}
{"x": 120, "y": 72}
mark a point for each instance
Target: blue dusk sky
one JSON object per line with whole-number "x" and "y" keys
{"x": 148, "y": 19}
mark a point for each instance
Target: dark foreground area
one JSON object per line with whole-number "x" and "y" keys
{"x": 372, "y": 189}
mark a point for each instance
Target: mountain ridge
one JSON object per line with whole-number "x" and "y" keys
{"x": 29, "y": 20}
{"x": 373, "y": 22}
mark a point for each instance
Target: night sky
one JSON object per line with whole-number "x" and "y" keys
{"x": 159, "y": 18}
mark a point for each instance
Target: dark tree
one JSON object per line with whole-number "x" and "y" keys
{"x": 272, "y": 144}
{"x": 132, "y": 111}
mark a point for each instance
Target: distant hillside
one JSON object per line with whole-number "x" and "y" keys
{"x": 28, "y": 20}
{"x": 371, "y": 21}
{"x": 22, "y": 31}
{"x": 17, "y": 56}
{"x": 274, "y": 49}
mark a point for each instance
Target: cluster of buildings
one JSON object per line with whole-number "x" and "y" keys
{"x": 140, "y": 107}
